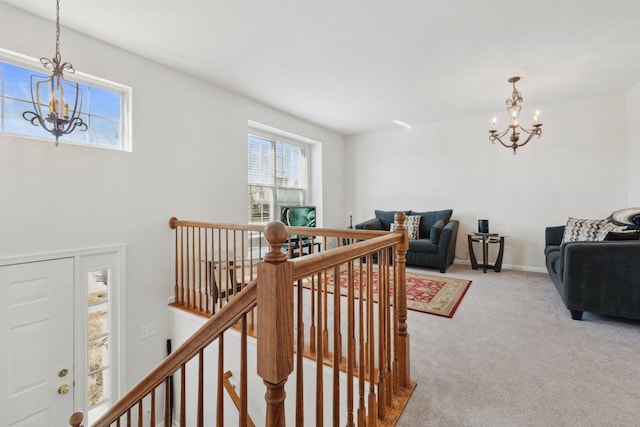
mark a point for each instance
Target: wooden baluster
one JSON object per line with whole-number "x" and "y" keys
{"x": 382, "y": 293}
{"x": 183, "y": 395}
{"x": 300, "y": 357}
{"x": 76, "y": 419}
{"x": 227, "y": 265}
{"x": 361, "y": 342}
{"x": 312, "y": 327}
{"x": 372, "y": 409}
{"x": 388, "y": 323}
{"x": 275, "y": 328}
{"x": 396, "y": 341}
{"x": 220, "y": 401}
{"x": 351, "y": 355}
{"x": 192, "y": 282}
{"x": 319, "y": 361}
{"x": 167, "y": 403}
{"x": 176, "y": 250}
{"x": 325, "y": 317}
{"x": 244, "y": 397}
{"x": 394, "y": 323}
{"x": 140, "y": 412}
{"x": 403, "y": 347}
{"x": 219, "y": 263}
{"x": 337, "y": 346}
{"x": 128, "y": 417}
{"x": 181, "y": 299}
{"x": 152, "y": 418}
{"x": 207, "y": 273}
{"x": 200, "y": 404}
{"x": 199, "y": 302}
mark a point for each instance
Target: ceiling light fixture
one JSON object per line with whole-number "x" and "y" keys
{"x": 58, "y": 119}
{"x": 514, "y": 107}
{"x": 403, "y": 124}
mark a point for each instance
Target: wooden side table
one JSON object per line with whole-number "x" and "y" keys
{"x": 485, "y": 239}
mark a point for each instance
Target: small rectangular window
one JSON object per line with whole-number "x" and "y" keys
{"x": 105, "y": 105}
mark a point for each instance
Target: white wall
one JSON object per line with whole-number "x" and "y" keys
{"x": 578, "y": 168}
{"x": 189, "y": 162}
{"x": 633, "y": 114}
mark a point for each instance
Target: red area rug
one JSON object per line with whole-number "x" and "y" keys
{"x": 436, "y": 295}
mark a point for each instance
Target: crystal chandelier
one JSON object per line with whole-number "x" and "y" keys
{"x": 514, "y": 107}
{"x": 60, "y": 115}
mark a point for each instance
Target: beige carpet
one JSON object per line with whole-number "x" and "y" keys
{"x": 512, "y": 356}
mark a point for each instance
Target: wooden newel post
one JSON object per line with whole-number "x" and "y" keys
{"x": 403, "y": 335}
{"x": 275, "y": 322}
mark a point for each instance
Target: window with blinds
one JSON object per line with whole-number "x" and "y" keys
{"x": 277, "y": 175}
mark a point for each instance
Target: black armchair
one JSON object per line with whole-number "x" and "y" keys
{"x": 435, "y": 246}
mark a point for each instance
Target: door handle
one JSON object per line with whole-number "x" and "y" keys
{"x": 63, "y": 389}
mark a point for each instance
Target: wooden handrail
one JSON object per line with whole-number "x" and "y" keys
{"x": 240, "y": 305}
{"x": 234, "y": 395}
{"x": 314, "y": 263}
{"x": 352, "y": 233}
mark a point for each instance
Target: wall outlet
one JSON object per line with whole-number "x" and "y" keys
{"x": 148, "y": 330}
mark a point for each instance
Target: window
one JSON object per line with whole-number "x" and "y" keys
{"x": 105, "y": 106}
{"x": 98, "y": 374}
{"x": 277, "y": 175}
{"x": 99, "y": 322}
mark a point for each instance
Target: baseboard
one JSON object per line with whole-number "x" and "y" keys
{"x": 506, "y": 266}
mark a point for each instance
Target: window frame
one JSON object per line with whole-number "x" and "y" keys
{"x": 306, "y": 176}
{"x": 124, "y": 91}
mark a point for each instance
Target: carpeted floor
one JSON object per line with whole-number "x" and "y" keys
{"x": 512, "y": 356}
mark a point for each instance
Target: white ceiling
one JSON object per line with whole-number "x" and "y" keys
{"x": 355, "y": 65}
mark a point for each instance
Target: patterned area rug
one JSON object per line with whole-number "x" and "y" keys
{"x": 427, "y": 294}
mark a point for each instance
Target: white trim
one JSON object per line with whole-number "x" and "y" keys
{"x": 65, "y": 253}
{"x": 117, "y": 311}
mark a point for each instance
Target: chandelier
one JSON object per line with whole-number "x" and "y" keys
{"x": 60, "y": 115}
{"x": 514, "y": 107}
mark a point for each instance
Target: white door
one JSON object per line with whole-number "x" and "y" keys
{"x": 36, "y": 350}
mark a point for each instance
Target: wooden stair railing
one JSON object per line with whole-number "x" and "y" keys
{"x": 333, "y": 306}
{"x": 131, "y": 405}
{"x": 234, "y": 396}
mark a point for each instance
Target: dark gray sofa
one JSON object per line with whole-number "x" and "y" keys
{"x": 600, "y": 277}
{"x": 436, "y": 245}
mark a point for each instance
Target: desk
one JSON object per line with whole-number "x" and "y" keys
{"x": 485, "y": 239}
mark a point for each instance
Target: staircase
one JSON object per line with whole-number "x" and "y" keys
{"x": 334, "y": 317}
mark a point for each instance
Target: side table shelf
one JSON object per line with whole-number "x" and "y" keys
{"x": 485, "y": 239}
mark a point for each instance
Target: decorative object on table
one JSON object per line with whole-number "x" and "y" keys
{"x": 513, "y": 107}
{"x": 350, "y": 220}
{"x": 483, "y": 226}
{"x": 435, "y": 295}
{"x": 62, "y": 118}
{"x": 485, "y": 239}
{"x": 629, "y": 216}
{"x": 435, "y": 245}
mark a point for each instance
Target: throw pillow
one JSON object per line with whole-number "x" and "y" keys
{"x": 582, "y": 230}
{"x": 412, "y": 224}
{"x": 435, "y": 231}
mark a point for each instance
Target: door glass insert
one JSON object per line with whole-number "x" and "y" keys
{"x": 98, "y": 355}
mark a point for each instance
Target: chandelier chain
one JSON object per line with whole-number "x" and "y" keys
{"x": 58, "y": 28}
